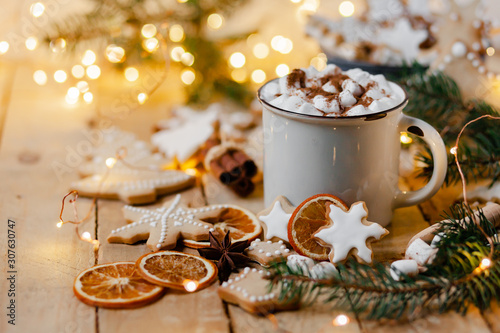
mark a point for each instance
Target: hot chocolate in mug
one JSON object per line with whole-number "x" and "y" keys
{"x": 354, "y": 158}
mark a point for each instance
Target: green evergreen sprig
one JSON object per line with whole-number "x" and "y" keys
{"x": 452, "y": 282}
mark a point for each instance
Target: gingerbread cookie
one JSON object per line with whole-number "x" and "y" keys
{"x": 250, "y": 291}
{"x": 275, "y": 219}
{"x": 162, "y": 227}
{"x": 350, "y": 233}
{"x": 133, "y": 186}
{"x": 266, "y": 252}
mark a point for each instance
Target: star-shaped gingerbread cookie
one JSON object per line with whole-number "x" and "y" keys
{"x": 133, "y": 186}
{"x": 275, "y": 219}
{"x": 266, "y": 252}
{"x": 350, "y": 233}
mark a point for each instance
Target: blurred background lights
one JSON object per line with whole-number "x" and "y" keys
{"x": 37, "y": 9}
{"x": 177, "y": 53}
{"x": 131, "y": 74}
{"x": 71, "y": 100}
{"x": 258, "y": 76}
{"x": 188, "y": 76}
{"x": 341, "y": 320}
{"x": 239, "y": 75}
{"x": 141, "y": 98}
{"x": 78, "y": 71}
{"x": 148, "y": 30}
{"x": 150, "y": 44}
{"x": 275, "y": 42}
{"x": 40, "y": 77}
{"x": 187, "y": 59}
{"x": 346, "y": 8}
{"x": 190, "y": 285}
{"x": 490, "y": 51}
{"x": 31, "y": 43}
{"x": 60, "y": 76}
{"x": 88, "y": 58}
{"x": 237, "y": 60}
{"x": 73, "y": 92}
{"x": 115, "y": 54}
{"x": 88, "y": 97}
{"x": 176, "y": 33}
{"x": 282, "y": 70}
{"x": 4, "y": 47}
{"x": 82, "y": 86}
{"x": 93, "y": 72}
{"x": 58, "y": 45}
{"x": 260, "y": 50}
{"x": 319, "y": 62}
{"x": 215, "y": 21}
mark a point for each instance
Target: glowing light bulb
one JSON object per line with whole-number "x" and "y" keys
{"x": 82, "y": 86}
{"x": 58, "y": 45}
{"x": 88, "y": 97}
{"x": 110, "y": 162}
{"x": 141, "y": 98}
{"x": 60, "y": 76}
{"x": 131, "y": 74}
{"x": 404, "y": 138}
{"x": 341, "y": 320}
{"x": 59, "y": 224}
{"x": 31, "y": 43}
{"x": 346, "y": 8}
{"x": 37, "y": 9}
{"x": 4, "y": 47}
{"x": 176, "y": 33}
{"x": 86, "y": 236}
{"x": 177, "y": 53}
{"x": 485, "y": 263}
{"x": 237, "y": 60}
{"x": 187, "y": 59}
{"x": 282, "y": 70}
{"x": 148, "y": 30}
{"x": 88, "y": 58}
{"x": 190, "y": 285}
{"x": 40, "y": 77}
{"x": 93, "y": 72}
{"x": 239, "y": 75}
{"x": 454, "y": 150}
{"x": 260, "y": 50}
{"x": 73, "y": 93}
{"x": 78, "y": 71}
{"x": 188, "y": 76}
{"x": 150, "y": 44}
{"x": 490, "y": 51}
{"x": 215, "y": 21}
{"x": 258, "y": 76}
{"x": 115, "y": 54}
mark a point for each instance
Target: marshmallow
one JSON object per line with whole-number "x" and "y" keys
{"x": 347, "y": 99}
{"x": 407, "y": 267}
{"x": 421, "y": 252}
{"x": 323, "y": 270}
{"x": 297, "y": 262}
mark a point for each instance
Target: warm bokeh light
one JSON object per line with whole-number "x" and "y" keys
{"x": 78, "y": 71}
{"x": 86, "y": 236}
{"x": 40, "y": 77}
{"x": 239, "y": 75}
{"x": 110, "y": 162}
{"x": 4, "y": 47}
{"x": 31, "y": 43}
{"x": 187, "y": 59}
{"x": 115, "y": 54}
{"x": 190, "y": 285}
{"x": 70, "y": 100}
{"x": 215, "y": 21}
{"x": 341, "y": 320}
{"x": 282, "y": 70}
{"x": 490, "y": 51}
{"x": 88, "y": 97}
{"x": 59, "y": 224}
{"x": 319, "y": 62}
{"x": 405, "y": 139}
{"x": 282, "y": 44}
{"x": 60, "y": 76}
{"x": 148, "y": 30}
{"x": 260, "y": 50}
{"x": 295, "y": 1}
{"x": 258, "y": 76}
{"x": 58, "y": 45}
{"x": 142, "y": 97}
{"x": 82, "y": 86}
{"x": 188, "y": 76}
{"x": 150, "y": 44}
{"x": 237, "y": 60}
{"x": 177, "y": 53}
{"x": 88, "y": 58}
{"x": 346, "y": 8}
{"x": 275, "y": 42}
{"x": 131, "y": 74}
{"x": 93, "y": 72}
{"x": 37, "y": 9}
{"x": 73, "y": 92}
{"x": 176, "y": 33}
{"x": 453, "y": 150}
{"x": 485, "y": 263}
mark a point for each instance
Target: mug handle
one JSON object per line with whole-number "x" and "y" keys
{"x": 438, "y": 150}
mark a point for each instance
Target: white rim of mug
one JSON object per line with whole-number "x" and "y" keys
{"x": 375, "y": 115}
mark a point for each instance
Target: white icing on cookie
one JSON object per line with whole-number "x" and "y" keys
{"x": 276, "y": 222}
{"x": 348, "y": 232}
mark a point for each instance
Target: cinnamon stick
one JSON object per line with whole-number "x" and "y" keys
{"x": 218, "y": 170}
{"x": 243, "y": 187}
{"x": 247, "y": 164}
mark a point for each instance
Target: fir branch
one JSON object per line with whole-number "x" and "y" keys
{"x": 452, "y": 282}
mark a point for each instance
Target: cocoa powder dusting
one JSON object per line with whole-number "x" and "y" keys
{"x": 297, "y": 75}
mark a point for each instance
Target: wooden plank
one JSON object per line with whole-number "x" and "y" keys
{"x": 491, "y": 316}
{"x": 47, "y": 258}
{"x": 202, "y": 311}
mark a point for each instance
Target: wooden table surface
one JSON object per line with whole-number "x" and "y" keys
{"x": 38, "y": 131}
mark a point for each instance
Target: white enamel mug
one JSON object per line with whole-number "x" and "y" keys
{"x": 354, "y": 158}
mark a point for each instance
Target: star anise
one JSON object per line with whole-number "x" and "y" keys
{"x": 228, "y": 255}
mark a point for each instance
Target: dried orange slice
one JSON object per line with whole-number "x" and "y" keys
{"x": 306, "y": 220}
{"x": 115, "y": 285}
{"x": 242, "y": 223}
{"x": 176, "y": 270}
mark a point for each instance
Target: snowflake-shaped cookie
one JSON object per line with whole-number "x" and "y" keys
{"x": 275, "y": 219}
{"x": 162, "y": 227}
{"x": 350, "y": 233}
